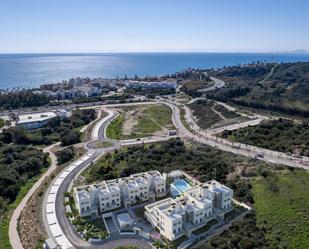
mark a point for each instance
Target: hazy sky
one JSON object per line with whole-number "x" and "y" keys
{"x": 156, "y": 25}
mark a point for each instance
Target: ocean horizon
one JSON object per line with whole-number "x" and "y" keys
{"x": 34, "y": 69}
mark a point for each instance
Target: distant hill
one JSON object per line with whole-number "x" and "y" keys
{"x": 278, "y": 87}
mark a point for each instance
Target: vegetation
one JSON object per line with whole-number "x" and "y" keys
{"x": 208, "y": 113}
{"x": 280, "y": 135}
{"x": 150, "y": 92}
{"x": 113, "y": 130}
{"x": 202, "y": 162}
{"x": 154, "y": 117}
{"x": 21, "y": 164}
{"x": 144, "y": 120}
{"x": 195, "y": 85}
{"x": 225, "y": 112}
{"x": 2, "y": 123}
{"x": 16, "y": 178}
{"x": 23, "y": 98}
{"x": 91, "y": 228}
{"x": 193, "y": 80}
{"x": 282, "y": 204}
{"x": 18, "y": 164}
{"x": 243, "y": 234}
{"x": 206, "y": 117}
{"x": 64, "y": 130}
{"x": 65, "y": 154}
{"x": 278, "y": 87}
{"x": 254, "y": 182}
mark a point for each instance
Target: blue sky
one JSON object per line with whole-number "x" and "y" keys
{"x": 153, "y": 26}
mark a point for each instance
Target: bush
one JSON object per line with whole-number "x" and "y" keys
{"x": 65, "y": 154}
{"x": 71, "y": 137}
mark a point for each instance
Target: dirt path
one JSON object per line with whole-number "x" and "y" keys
{"x": 130, "y": 121}
{"x": 13, "y": 233}
{"x": 218, "y": 113}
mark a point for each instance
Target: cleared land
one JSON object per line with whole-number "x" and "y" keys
{"x": 141, "y": 121}
{"x": 281, "y": 135}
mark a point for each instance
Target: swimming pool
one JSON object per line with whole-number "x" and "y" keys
{"x": 181, "y": 185}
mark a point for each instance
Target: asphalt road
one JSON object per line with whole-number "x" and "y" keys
{"x": 62, "y": 220}
{"x": 197, "y": 135}
{"x": 218, "y": 84}
{"x": 236, "y": 148}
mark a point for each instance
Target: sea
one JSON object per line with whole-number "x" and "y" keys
{"x": 33, "y": 70}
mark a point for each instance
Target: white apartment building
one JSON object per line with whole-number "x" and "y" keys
{"x": 197, "y": 205}
{"x": 125, "y": 191}
{"x": 85, "y": 200}
{"x": 135, "y": 189}
{"x": 109, "y": 196}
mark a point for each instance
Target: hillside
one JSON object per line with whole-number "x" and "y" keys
{"x": 277, "y": 87}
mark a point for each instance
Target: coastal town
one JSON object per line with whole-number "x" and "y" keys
{"x": 154, "y": 124}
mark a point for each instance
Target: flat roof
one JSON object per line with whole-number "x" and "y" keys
{"x": 33, "y": 117}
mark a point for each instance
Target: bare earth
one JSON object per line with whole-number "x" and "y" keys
{"x": 130, "y": 121}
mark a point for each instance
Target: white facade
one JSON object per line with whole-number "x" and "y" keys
{"x": 109, "y": 196}
{"x": 126, "y": 191}
{"x": 35, "y": 120}
{"x": 176, "y": 217}
{"x": 83, "y": 201}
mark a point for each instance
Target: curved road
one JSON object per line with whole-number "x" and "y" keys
{"x": 57, "y": 224}
{"x": 208, "y": 138}
{"x": 13, "y": 233}
{"x": 218, "y": 84}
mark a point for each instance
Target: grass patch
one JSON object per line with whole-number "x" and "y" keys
{"x": 150, "y": 119}
{"x": 282, "y": 205}
{"x": 113, "y": 130}
{"x": 104, "y": 144}
{"x": 183, "y": 119}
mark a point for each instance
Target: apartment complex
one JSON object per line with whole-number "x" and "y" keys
{"x": 192, "y": 210}
{"x": 112, "y": 194}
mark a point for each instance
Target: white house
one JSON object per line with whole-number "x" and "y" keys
{"x": 84, "y": 199}
{"x": 112, "y": 194}
{"x": 109, "y": 196}
{"x": 192, "y": 210}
